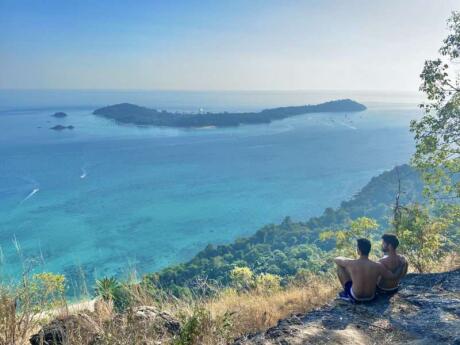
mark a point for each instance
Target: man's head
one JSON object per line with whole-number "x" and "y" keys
{"x": 364, "y": 246}
{"x": 389, "y": 242}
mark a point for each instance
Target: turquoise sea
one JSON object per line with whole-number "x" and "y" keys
{"x": 105, "y": 199}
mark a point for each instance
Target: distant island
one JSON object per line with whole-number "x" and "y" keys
{"x": 61, "y": 127}
{"x": 133, "y": 114}
{"x": 59, "y": 114}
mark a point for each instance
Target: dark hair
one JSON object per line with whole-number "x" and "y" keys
{"x": 364, "y": 246}
{"x": 391, "y": 239}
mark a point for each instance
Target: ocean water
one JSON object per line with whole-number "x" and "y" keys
{"x": 105, "y": 199}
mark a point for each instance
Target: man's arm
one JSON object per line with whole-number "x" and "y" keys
{"x": 399, "y": 271}
{"x": 404, "y": 266}
{"x": 342, "y": 261}
{"x": 387, "y": 274}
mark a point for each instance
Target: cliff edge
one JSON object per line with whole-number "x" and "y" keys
{"x": 426, "y": 310}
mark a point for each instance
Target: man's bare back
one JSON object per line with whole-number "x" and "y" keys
{"x": 364, "y": 275}
{"x": 394, "y": 263}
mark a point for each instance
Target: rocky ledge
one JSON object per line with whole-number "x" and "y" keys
{"x": 426, "y": 310}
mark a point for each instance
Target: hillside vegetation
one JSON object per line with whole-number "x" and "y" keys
{"x": 292, "y": 248}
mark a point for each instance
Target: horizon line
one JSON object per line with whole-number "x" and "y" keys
{"x": 414, "y": 91}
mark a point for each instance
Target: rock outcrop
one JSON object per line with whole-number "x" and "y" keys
{"x": 154, "y": 318}
{"x": 426, "y": 310}
{"x": 57, "y": 332}
{"x": 82, "y": 329}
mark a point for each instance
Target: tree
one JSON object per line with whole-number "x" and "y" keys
{"x": 437, "y": 133}
{"x": 47, "y": 290}
{"x": 422, "y": 237}
{"x": 268, "y": 283}
{"x": 242, "y": 278}
{"x": 345, "y": 239}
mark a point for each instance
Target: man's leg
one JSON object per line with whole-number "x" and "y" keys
{"x": 343, "y": 275}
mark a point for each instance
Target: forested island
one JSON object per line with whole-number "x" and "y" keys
{"x": 127, "y": 113}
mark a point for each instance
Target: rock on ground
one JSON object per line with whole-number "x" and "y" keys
{"x": 426, "y": 310}
{"x": 81, "y": 328}
{"x": 152, "y": 316}
{"x": 57, "y": 332}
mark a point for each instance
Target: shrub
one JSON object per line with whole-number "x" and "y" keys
{"x": 24, "y": 306}
{"x": 346, "y": 239}
{"x": 268, "y": 283}
{"x": 422, "y": 237}
{"x": 242, "y": 278}
{"x": 110, "y": 289}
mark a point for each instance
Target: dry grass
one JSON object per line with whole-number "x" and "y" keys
{"x": 257, "y": 310}
{"x": 449, "y": 263}
{"x": 212, "y": 321}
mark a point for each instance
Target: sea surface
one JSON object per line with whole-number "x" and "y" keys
{"x": 106, "y": 199}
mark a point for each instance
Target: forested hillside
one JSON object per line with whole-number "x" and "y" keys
{"x": 292, "y": 247}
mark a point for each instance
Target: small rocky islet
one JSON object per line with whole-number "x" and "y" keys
{"x": 59, "y": 114}
{"x": 61, "y": 127}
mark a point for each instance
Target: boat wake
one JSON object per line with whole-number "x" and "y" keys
{"x": 83, "y": 173}
{"x": 31, "y": 194}
{"x": 347, "y": 125}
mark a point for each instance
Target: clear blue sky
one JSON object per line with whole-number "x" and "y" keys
{"x": 219, "y": 45}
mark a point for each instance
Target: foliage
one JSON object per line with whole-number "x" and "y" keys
{"x": 422, "y": 237}
{"x": 268, "y": 283}
{"x": 201, "y": 327}
{"x": 107, "y": 288}
{"x": 22, "y": 305}
{"x": 345, "y": 240}
{"x": 437, "y": 133}
{"x": 45, "y": 291}
{"x": 110, "y": 289}
{"x": 451, "y": 212}
{"x": 242, "y": 278}
{"x": 290, "y": 247}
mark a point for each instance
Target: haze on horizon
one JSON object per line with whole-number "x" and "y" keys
{"x": 219, "y": 45}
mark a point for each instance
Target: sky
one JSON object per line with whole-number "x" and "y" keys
{"x": 219, "y": 44}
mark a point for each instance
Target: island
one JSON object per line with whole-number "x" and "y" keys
{"x": 127, "y": 113}
{"x": 59, "y": 114}
{"x": 61, "y": 127}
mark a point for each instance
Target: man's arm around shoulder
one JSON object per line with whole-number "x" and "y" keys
{"x": 342, "y": 261}
{"x": 386, "y": 273}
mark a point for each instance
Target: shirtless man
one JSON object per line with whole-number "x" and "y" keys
{"x": 393, "y": 262}
{"x": 359, "y": 277}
